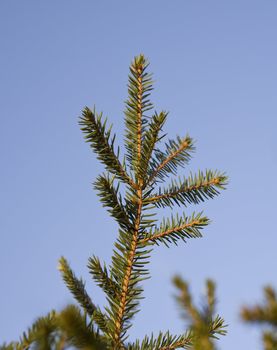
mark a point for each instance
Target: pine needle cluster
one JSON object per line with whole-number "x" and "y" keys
{"x": 130, "y": 189}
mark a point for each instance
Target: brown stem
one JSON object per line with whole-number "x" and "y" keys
{"x": 138, "y": 186}
{"x": 168, "y": 232}
{"x": 188, "y": 189}
{"x": 183, "y": 146}
{"x": 126, "y": 281}
{"x": 139, "y": 105}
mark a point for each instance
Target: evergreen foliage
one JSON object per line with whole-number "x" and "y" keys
{"x": 67, "y": 329}
{"x": 143, "y": 167}
{"x": 265, "y": 314}
{"x": 205, "y": 326}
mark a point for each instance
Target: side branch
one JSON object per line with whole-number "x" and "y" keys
{"x": 179, "y": 228}
{"x": 99, "y": 139}
{"x": 151, "y": 137}
{"x": 111, "y": 198}
{"x": 76, "y": 286}
{"x": 194, "y": 189}
{"x": 185, "y": 343}
{"x": 183, "y": 190}
{"x": 101, "y": 276}
{"x": 177, "y": 153}
{"x": 164, "y": 341}
{"x": 173, "y": 230}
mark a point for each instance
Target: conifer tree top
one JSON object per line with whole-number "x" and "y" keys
{"x": 142, "y": 170}
{"x": 133, "y": 186}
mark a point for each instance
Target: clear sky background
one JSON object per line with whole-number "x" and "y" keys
{"x": 214, "y": 65}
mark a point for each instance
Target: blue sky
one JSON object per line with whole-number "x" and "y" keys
{"x": 214, "y": 65}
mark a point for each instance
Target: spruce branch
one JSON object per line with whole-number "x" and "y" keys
{"x": 111, "y": 198}
{"x": 264, "y": 314}
{"x": 151, "y": 138}
{"x": 164, "y": 341}
{"x": 204, "y": 324}
{"x": 139, "y": 87}
{"x": 192, "y": 190}
{"x": 177, "y": 153}
{"x": 99, "y": 138}
{"x": 103, "y": 322}
{"x": 42, "y": 334}
{"x": 171, "y": 230}
{"x": 66, "y": 329}
{"x": 101, "y": 276}
{"x": 211, "y": 299}
{"x": 77, "y": 330}
{"x": 76, "y": 286}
